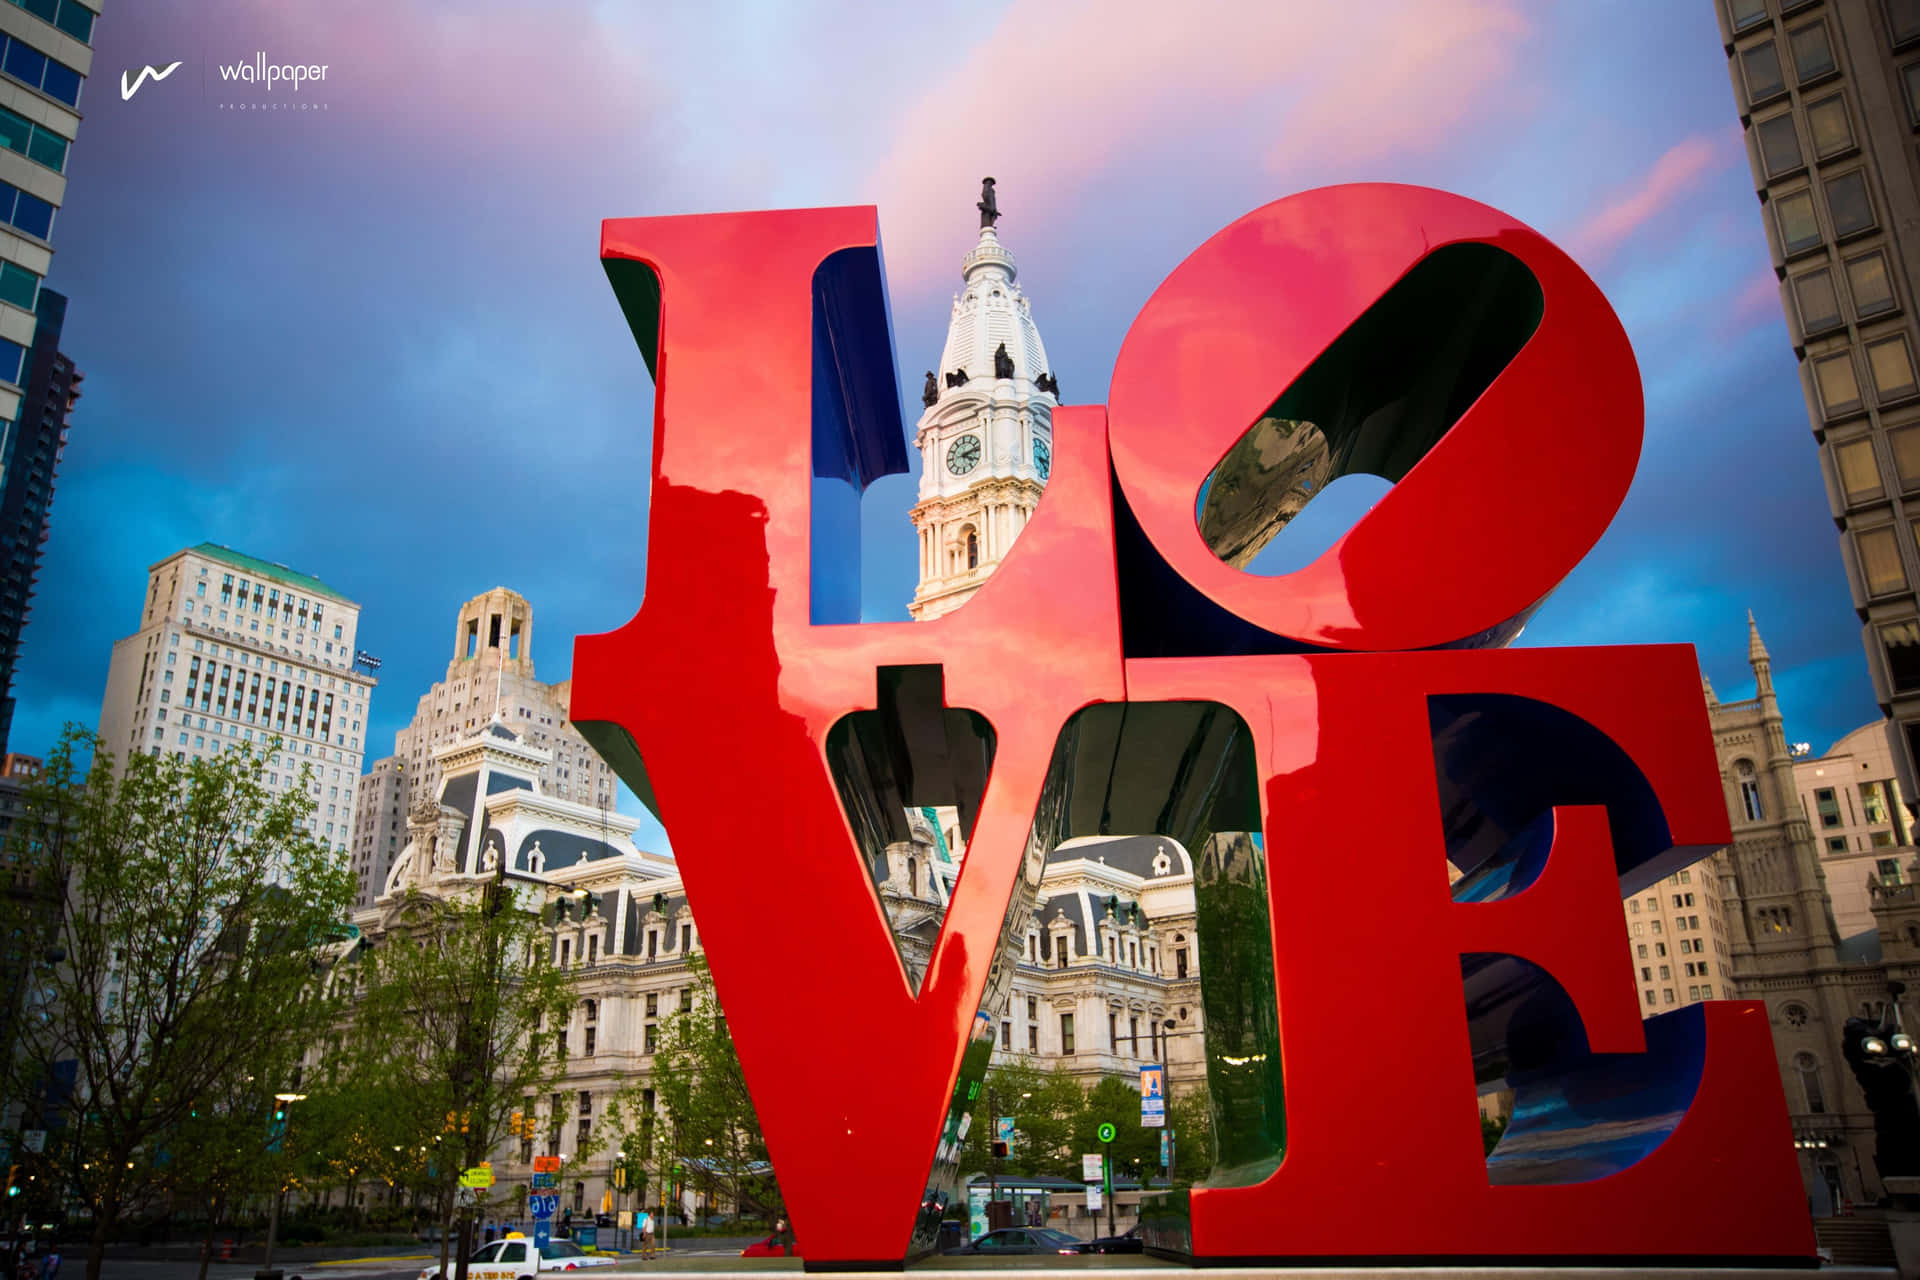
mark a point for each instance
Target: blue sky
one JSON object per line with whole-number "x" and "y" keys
{"x": 373, "y": 341}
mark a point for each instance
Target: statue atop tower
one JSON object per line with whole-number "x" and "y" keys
{"x": 989, "y": 207}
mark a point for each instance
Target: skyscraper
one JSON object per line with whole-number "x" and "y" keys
{"x": 232, "y": 649}
{"x": 45, "y": 55}
{"x": 1829, "y": 94}
{"x": 37, "y": 442}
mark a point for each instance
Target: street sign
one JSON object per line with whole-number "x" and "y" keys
{"x": 546, "y": 1164}
{"x": 1153, "y": 1097}
{"x": 626, "y": 1220}
{"x": 1166, "y": 1147}
{"x": 542, "y": 1180}
{"x": 34, "y": 1140}
{"x": 1106, "y": 1133}
{"x": 542, "y": 1233}
{"x": 481, "y": 1175}
{"x": 1093, "y": 1200}
{"x": 543, "y": 1206}
{"x": 1003, "y": 1130}
{"x": 1089, "y": 1168}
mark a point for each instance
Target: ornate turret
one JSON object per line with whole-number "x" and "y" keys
{"x": 986, "y": 437}
{"x": 1757, "y": 658}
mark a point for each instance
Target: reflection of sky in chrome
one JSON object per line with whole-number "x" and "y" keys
{"x": 375, "y": 343}
{"x": 1581, "y": 1153}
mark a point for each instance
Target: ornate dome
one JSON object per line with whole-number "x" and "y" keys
{"x": 990, "y": 311}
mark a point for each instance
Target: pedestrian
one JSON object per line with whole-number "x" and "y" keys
{"x": 783, "y": 1236}
{"x": 566, "y": 1223}
{"x": 646, "y": 1235}
{"x": 50, "y": 1267}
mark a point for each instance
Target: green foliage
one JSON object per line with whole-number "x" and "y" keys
{"x": 161, "y": 922}
{"x": 448, "y": 1026}
{"x": 1056, "y": 1121}
{"x": 1492, "y": 1129}
{"x": 714, "y": 1134}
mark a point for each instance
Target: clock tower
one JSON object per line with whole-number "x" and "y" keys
{"x": 986, "y": 436}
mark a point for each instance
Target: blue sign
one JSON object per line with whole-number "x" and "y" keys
{"x": 1153, "y": 1097}
{"x": 1166, "y": 1147}
{"x": 543, "y": 1206}
{"x": 543, "y": 1232}
{"x": 542, "y": 1180}
{"x": 1003, "y": 1130}
{"x": 587, "y": 1237}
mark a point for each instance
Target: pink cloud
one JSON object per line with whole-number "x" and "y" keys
{"x": 1673, "y": 176}
{"x": 1060, "y": 94}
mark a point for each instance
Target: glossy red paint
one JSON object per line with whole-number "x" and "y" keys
{"x": 727, "y": 690}
{"x": 1337, "y": 732}
{"x": 1484, "y": 526}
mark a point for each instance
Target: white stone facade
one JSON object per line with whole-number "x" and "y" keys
{"x": 985, "y": 443}
{"x": 232, "y": 649}
{"x": 491, "y": 672}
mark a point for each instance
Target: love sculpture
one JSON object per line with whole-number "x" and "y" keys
{"x": 1119, "y": 673}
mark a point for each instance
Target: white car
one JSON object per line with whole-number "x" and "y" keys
{"x": 515, "y": 1258}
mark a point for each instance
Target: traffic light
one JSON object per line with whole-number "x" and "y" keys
{"x": 279, "y": 1115}
{"x": 1000, "y": 1150}
{"x": 12, "y": 1190}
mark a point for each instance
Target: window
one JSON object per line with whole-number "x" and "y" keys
{"x": 1887, "y": 870}
{"x": 593, "y": 1034}
{"x": 1817, "y": 302}
{"x": 1746, "y": 13}
{"x": 19, "y": 134}
{"x": 1834, "y": 379}
{"x": 1836, "y": 844}
{"x": 1066, "y": 1033}
{"x": 1903, "y": 20}
{"x": 18, "y": 285}
{"x": 1799, "y": 229}
{"x": 1873, "y": 801}
{"x": 1871, "y": 285}
{"x": 1807, "y": 1067}
{"x": 1812, "y": 52}
{"x": 1667, "y": 994}
{"x": 1849, "y": 205}
{"x": 1642, "y": 950}
{"x": 27, "y": 64}
{"x": 652, "y": 1042}
{"x": 1828, "y": 127}
{"x": 1891, "y": 362}
{"x": 1749, "y": 791}
{"x": 1910, "y": 78}
{"x": 1882, "y": 574}
{"x": 1033, "y": 1039}
{"x": 1761, "y": 66}
{"x": 1006, "y": 1035}
{"x": 1779, "y": 145}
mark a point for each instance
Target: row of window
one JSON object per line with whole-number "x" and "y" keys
{"x": 31, "y": 67}
{"x": 1890, "y": 372}
{"x": 1849, "y": 210}
{"x": 1902, "y": 16}
{"x": 36, "y": 142}
{"x": 1695, "y": 969}
{"x": 70, "y": 16}
{"x": 1809, "y": 49}
{"x": 1829, "y": 130}
{"x": 1817, "y": 295}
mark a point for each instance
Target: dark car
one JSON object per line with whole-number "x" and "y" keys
{"x": 1009, "y": 1241}
{"x": 1128, "y": 1241}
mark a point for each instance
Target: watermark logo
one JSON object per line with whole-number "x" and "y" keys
{"x": 262, "y": 72}
{"x": 130, "y": 83}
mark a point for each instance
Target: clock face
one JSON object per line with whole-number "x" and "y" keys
{"x": 964, "y": 455}
{"x": 1042, "y": 458}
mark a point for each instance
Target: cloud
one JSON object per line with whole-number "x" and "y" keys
{"x": 1673, "y": 176}
{"x": 1058, "y": 94}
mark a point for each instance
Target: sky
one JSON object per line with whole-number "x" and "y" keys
{"x": 369, "y": 337}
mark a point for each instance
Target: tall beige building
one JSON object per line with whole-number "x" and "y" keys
{"x": 234, "y": 650}
{"x": 491, "y": 671}
{"x": 1829, "y": 94}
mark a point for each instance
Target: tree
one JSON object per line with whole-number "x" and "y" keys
{"x": 172, "y": 911}
{"x": 459, "y": 1019}
{"x": 716, "y": 1135}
